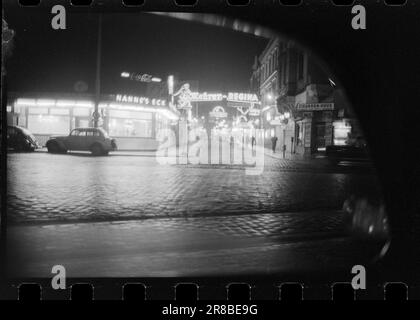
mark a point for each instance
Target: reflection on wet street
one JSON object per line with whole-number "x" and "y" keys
{"x": 44, "y": 188}
{"x": 130, "y": 216}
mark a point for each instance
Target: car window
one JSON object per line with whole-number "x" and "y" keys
{"x": 28, "y": 133}
{"x": 78, "y": 132}
{"x": 90, "y": 133}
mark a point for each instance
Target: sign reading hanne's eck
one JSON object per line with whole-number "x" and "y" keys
{"x": 140, "y": 100}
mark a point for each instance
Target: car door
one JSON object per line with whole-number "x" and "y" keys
{"x": 11, "y": 137}
{"x": 73, "y": 141}
{"x": 90, "y": 138}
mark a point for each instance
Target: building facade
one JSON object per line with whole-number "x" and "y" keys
{"x": 133, "y": 121}
{"x": 300, "y": 104}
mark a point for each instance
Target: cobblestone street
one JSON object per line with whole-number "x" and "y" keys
{"x": 127, "y": 215}
{"x": 45, "y": 187}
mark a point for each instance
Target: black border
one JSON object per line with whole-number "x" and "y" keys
{"x": 379, "y": 69}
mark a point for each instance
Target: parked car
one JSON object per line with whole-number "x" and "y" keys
{"x": 21, "y": 139}
{"x": 95, "y": 140}
{"x": 355, "y": 152}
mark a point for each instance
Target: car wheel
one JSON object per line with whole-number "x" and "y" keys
{"x": 96, "y": 150}
{"x": 53, "y": 147}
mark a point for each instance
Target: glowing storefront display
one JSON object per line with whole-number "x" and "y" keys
{"x": 125, "y": 123}
{"x": 342, "y": 131}
{"x": 123, "y": 116}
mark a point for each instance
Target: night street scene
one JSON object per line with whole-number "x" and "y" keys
{"x": 157, "y": 145}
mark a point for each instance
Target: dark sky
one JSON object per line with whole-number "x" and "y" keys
{"x": 46, "y": 60}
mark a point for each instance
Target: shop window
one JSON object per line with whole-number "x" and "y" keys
{"x": 48, "y": 124}
{"x": 83, "y": 123}
{"x": 126, "y": 114}
{"x": 38, "y": 111}
{"x": 342, "y": 132}
{"x": 81, "y": 112}
{"x": 59, "y": 111}
{"x": 130, "y": 128}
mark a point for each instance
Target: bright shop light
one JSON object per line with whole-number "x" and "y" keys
{"x": 26, "y": 102}
{"x": 86, "y": 104}
{"x": 45, "y": 102}
{"x": 65, "y": 103}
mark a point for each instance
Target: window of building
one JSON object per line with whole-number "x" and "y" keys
{"x": 276, "y": 55}
{"x": 124, "y": 123}
{"x": 81, "y": 112}
{"x": 48, "y": 124}
{"x": 59, "y": 111}
{"x": 300, "y": 65}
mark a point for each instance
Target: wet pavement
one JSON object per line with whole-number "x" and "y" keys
{"x": 43, "y": 187}
{"x": 128, "y": 215}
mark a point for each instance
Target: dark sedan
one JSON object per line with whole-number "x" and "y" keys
{"x": 347, "y": 153}
{"x": 21, "y": 139}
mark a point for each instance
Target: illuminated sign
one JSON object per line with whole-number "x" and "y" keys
{"x": 142, "y": 77}
{"x": 196, "y": 96}
{"x": 231, "y": 96}
{"x": 242, "y": 97}
{"x": 254, "y": 112}
{"x": 218, "y": 112}
{"x": 314, "y": 106}
{"x": 184, "y": 95}
{"x": 140, "y": 100}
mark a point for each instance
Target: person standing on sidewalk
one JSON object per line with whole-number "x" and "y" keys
{"x": 253, "y": 142}
{"x": 274, "y": 143}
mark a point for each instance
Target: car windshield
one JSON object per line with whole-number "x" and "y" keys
{"x": 28, "y": 133}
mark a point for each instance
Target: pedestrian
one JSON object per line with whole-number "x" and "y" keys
{"x": 253, "y": 142}
{"x": 274, "y": 143}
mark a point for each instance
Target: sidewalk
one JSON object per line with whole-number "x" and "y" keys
{"x": 137, "y": 153}
{"x": 292, "y": 156}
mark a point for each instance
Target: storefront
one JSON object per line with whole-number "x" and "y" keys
{"x": 133, "y": 121}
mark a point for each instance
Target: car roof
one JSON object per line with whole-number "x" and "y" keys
{"x": 17, "y": 127}
{"x": 86, "y": 128}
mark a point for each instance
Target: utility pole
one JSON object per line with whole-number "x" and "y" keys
{"x": 98, "y": 72}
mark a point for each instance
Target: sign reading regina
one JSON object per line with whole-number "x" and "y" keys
{"x": 185, "y": 96}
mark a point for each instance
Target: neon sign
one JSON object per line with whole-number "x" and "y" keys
{"x": 231, "y": 96}
{"x": 218, "y": 112}
{"x": 140, "y": 100}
